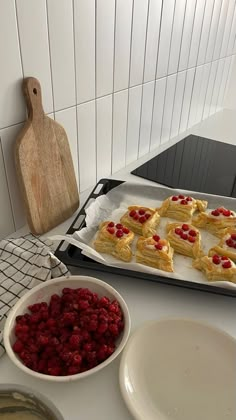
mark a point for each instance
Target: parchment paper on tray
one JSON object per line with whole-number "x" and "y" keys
{"x": 114, "y": 204}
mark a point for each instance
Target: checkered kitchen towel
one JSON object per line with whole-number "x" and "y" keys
{"x": 24, "y": 263}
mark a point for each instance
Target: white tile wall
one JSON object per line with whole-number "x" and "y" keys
{"x": 122, "y": 77}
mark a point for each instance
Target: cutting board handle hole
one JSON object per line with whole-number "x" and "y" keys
{"x": 35, "y": 91}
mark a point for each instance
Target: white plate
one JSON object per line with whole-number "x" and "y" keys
{"x": 179, "y": 370}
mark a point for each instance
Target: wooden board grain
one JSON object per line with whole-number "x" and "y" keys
{"x": 44, "y": 166}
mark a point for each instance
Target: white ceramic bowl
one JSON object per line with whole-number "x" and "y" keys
{"x": 43, "y": 292}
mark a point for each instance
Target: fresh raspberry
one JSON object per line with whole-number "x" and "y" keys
{"x": 224, "y": 258}
{"x": 230, "y": 242}
{"x": 191, "y": 239}
{"x": 185, "y": 227}
{"x": 156, "y": 238}
{"x": 104, "y": 301}
{"x": 119, "y": 233}
{"x": 119, "y": 226}
{"x": 189, "y": 199}
{"x": 18, "y": 346}
{"x": 147, "y": 215}
{"x": 136, "y": 216}
{"x": 226, "y": 264}
{"x": 141, "y": 212}
{"x": 220, "y": 209}
{"x": 125, "y": 230}
{"x": 233, "y": 236}
{"x": 192, "y": 232}
{"x": 184, "y": 236}
{"x": 216, "y": 259}
{"x": 111, "y": 230}
{"x": 184, "y": 202}
{"x": 226, "y": 213}
{"x": 178, "y": 231}
{"x": 54, "y": 371}
{"x": 215, "y": 213}
{"x": 74, "y": 341}
{"x": 113, "y": 328}
{"x": 111, "y": 224}
{"x": 142, "y": 219}
{"x": 158, "y": 246}
{"x": 174, "y": 198}
{"x": 182, "y": 197}
{"x": 132, "y": 213}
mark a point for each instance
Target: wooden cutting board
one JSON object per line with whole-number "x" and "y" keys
{"x": 44, "y": 166}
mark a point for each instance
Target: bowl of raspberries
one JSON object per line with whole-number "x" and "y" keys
{"x": 67, "y": 328}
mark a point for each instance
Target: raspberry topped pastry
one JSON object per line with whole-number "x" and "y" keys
{"x": 114, "y": 239}
{"x": 217, "y": 267}
{"x": 227, "y": 245}
{"x": 141, "y": 220}
{"x": 215, "y": 220}
{"x": 185, "y": 239}
{"x": 155, "y": 252}
{"x": 181, "y": 207}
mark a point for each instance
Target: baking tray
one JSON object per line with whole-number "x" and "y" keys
{"x": 72, "y": 256}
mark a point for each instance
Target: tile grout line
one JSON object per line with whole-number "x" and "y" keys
{"x": 50, "y": 57}
{"x": 112, "y": 103}
{"x": 130, "y": 53}
{"x": 144, "y": 64}
{"x": 18, "y": 33}
{"x": 154, "y": 93}
{"x": 76, "y": 93}
{"x": 8, "y": 186}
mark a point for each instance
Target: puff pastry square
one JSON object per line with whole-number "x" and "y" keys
{"x": 114, "y": 239}
{"x": 155, "y": 252}
{"x": 226, "y": 246}
{"x": 141, "y": 220}
{"x": 215, "y": 220}
{"x": 185, "y": 239}
{"x": 181, "y": 207}
{"x": 216, "y": 268}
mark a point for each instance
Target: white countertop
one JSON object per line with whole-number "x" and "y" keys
{"x": 98, "y": 397}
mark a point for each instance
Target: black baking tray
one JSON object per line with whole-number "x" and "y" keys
{"x": 72, "y": 256}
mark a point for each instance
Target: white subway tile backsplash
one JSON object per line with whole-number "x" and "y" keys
{"x": 205, "y": 31}
{"x": 176, "y": 36}
{"x": 33, "y": 34}
{"x": 168, "y": 9}
{"x": 210, "y": 87}
{"x": 104, "y": 136}
{"x": 158, "y": 108}
{"x": 6, "y": 220}
{"x": 120, "y": 113}
{"x": 84, "y": 34}
{"x": 220, "y": 29}
{"x": 187, "y": 99}
{"x": 195, "y": 96}
{"x": 133, "y": 124}
{"x": 87, "y": 144}
{"x": 197, "y": 29}
{"x": 213, "y": 30}
{"x": 187, "y": 34}
{"x": 12, "y": 108}
{"x": 178, "y": 102}
{"x": 67, "y": 118}
{"x": 138, "y": 41}
{"x": 232, "y": 35}
{"x": 146, "y": 118}
{"x": 227, "y": 62}
{"x": 60, "y": 17}
{"x": 153, "y": 30}
{"x": 122, "y": 43}
{"x": 227, "y": 29}
{"x": 8, "y": 137}
{"x": 168, "y": 108}
{"x": 105, "y": 24}
{"x": 216, "y": 88}
{"x": 202, "y": 93}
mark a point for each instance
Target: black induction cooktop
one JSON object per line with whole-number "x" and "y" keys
{"x": 196, "y": 164}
